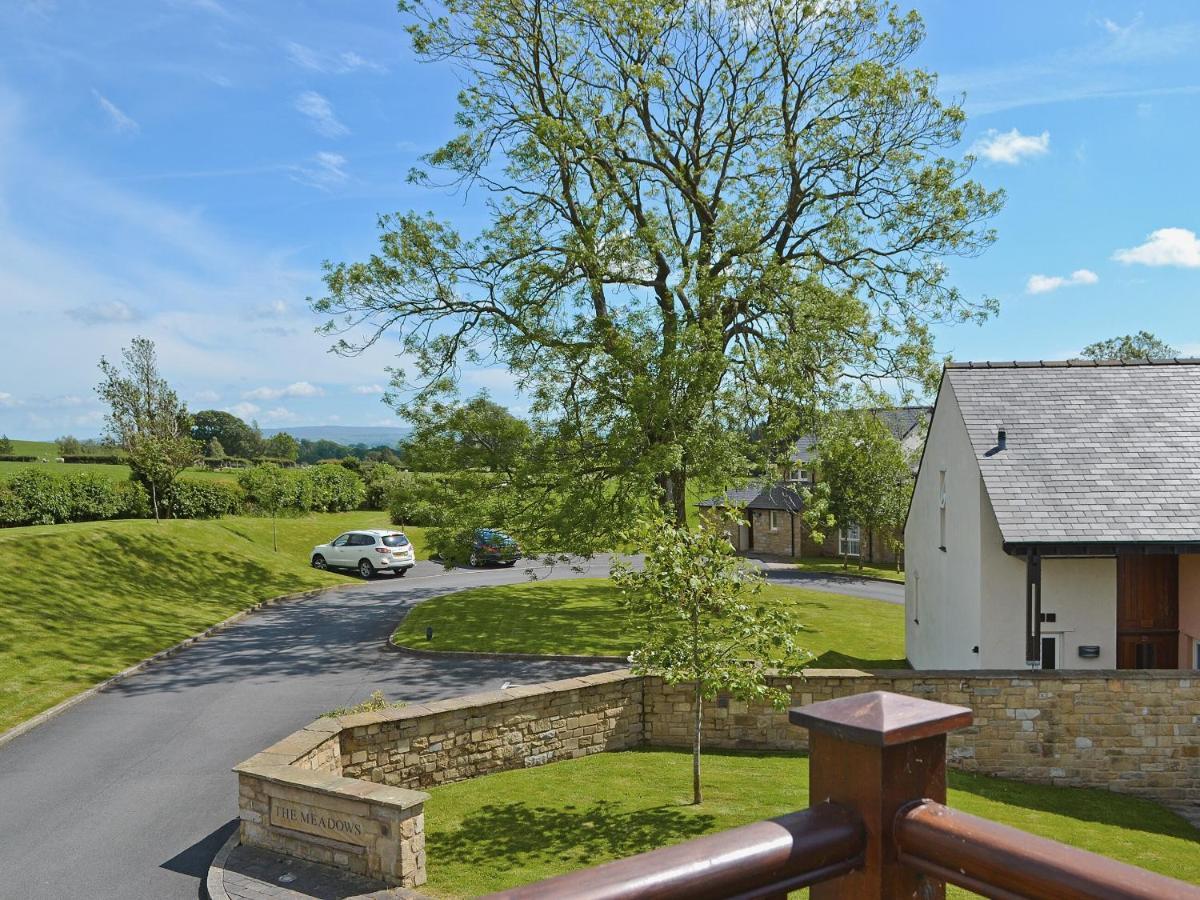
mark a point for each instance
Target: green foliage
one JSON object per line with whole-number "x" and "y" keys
{"x": 701, "y": 229}
{"x": 191, "y": 499}
{"x": 334, "y": 489}
{"x": 36, "y": 497}
{"x": 377, "y": 702}
{"x": 478, "y": 435}
{"x": 6, "y": 445}
{"x": 69, "y": 445}
{"x": 213, "y": 449}
{"x": 412, "y": 498}
{"x": 868, "y": 473}
{"x": 234, "y": 436}
{"x": 272, "y": 490}
{"x": 281, "y": 446}
{"x": 1142, "y": 345}
{"x": 697, "y": 604}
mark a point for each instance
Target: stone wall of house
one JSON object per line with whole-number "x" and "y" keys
{"x": 450, "y": 740}
{"x": 1132, "y": 732}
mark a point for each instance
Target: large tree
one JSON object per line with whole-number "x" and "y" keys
{"x": 1142, "y": 345}
{"x": 476, "y": 436}
{"x": 705, "y": 219}
{"x": 237, "y": 437}
{"x": 147, "y": 419}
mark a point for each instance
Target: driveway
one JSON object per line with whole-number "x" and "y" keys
{"x": 129, "y": 794}
{"x": 853, "y": 585}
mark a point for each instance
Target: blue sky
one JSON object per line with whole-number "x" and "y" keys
{"x": 181, "y": 168}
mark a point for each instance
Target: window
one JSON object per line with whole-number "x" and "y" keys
{"x": 340, "y": 540}
{"x": 361, "y": 540}
{"x": 773, "y": 519}
{"x": 942, "y": 509}
{"x": 395, "y": 540}
{"x": 802, "y": 475}
{"x": 848, "y": 540}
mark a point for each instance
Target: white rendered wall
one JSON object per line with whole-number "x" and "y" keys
{"x": 942, "y": 588}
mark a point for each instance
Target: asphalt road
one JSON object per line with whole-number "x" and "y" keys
{"x": 129, "y": 794}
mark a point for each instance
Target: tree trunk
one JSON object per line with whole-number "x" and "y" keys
{"x": 696, "y": 793}
{"x": 154, "y": 500}
{"x": 674, "y": 496}
{"x": 274, "y": 532}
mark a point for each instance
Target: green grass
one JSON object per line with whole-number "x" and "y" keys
{"x": 81, "y": 602}
{"x": 835, "y": 567}
{"x": 583, "y": 616}
{"x": 115, "y": 473}
{"x": 496, "y": 832}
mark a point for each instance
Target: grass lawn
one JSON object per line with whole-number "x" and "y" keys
{"x": 512, "y": 828}
{"x": 80, "y": 602}
{"x": 113, "y": 472}
{"x": 583, "y": 616}
{"x": 835, "y": 567}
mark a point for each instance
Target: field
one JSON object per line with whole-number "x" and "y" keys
{"x": 584, "y": 616}
{"x": 47, "y": 450}
{"x": 81, "y": 602}
{"x": 491, "y": 833}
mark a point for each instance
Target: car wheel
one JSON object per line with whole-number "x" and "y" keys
{"x": 400, "y": 573}
{"x": 365, "y": 569}
{"x": 473, "y": 562}
{"x": 511, "y": 563}
{"x": 318, "y": 562}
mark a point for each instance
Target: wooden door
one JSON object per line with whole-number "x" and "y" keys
{"x": 1147, "y": 612}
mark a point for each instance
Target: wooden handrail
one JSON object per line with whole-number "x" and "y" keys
{"x": 764, "y": 859}
{"x": 998, "y": 861}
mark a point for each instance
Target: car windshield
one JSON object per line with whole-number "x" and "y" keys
{"x": 395, "y": 540}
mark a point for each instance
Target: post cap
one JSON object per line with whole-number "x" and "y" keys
{"x": 880, "y": 718}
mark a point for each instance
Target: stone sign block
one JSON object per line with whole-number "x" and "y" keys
{"x": 321, "y": 822}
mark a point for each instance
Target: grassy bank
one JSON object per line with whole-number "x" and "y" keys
{"x": 828, "y": 566}
{"x": 82, "y": 602}
{"x": 584, "y": 616}
{"x": 496, "y": 832}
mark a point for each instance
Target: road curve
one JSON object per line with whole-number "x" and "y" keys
{"x": 129, "y": 794}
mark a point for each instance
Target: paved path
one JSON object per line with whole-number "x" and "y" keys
{"x": 129, "y": 794}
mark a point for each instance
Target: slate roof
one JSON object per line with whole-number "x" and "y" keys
{"x": 900, "y": 421}
{"x": 1096, "y": 452}
{"x": 757, "y": 496}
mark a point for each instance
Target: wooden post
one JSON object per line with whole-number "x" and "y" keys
{"x": 875, "y": 753}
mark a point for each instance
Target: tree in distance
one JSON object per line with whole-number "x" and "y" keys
{"x": 695, "y": 601}
{"x": 238, "y": 439}
{"x": 706, "y": 222}
{"x": 147, "y": 419}
{"x": 6, "y": 445}
{"x": 1142, "y": 345}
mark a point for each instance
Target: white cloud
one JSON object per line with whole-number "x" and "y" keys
{"x": 8, "y": 401}
{"x": 243, "y": 410}
{"x": 329, "y": 169}
{"x": 296, "y": 389}
{"x": 100, "y": 313}
{"x": 330, "y": 63}
{"x": 279, "y": 415}
{"x": 367, "y": 390}
{"x": 1044, "y": 284}
{"x": 320, "y": 113}
{"x": 1011, "y": 147}
{"x": 120, "y": 121}
{"x": 1165, "y": 247}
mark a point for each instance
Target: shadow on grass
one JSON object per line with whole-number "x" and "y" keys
{"x": 831, "y": 659}
{"x": 515, "y": 835}
{"x": 1085, "y": 804}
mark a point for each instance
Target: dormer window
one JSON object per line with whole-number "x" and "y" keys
{"x": 802, "y": 476}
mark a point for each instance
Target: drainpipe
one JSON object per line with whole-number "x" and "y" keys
{"x": 1033, "y": 609}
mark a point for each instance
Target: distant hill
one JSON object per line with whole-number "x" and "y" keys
{"x": 349, "y": 435}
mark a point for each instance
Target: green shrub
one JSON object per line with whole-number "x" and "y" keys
{"x": 203, "y": 499}
{"x": 16, "y": 457}
{"x": 411, "y": 498}
{"x": 110, "y": 459}
{"x": 335, "y": 489}
{"x": 377, "y": 702}
{"x": 37, "y": 497}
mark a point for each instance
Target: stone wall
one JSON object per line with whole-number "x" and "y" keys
{"x": 1132, "y": 732}
{"x": 435, "y": 743}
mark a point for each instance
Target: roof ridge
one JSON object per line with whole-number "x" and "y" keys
{"x": 1074, "y": 363}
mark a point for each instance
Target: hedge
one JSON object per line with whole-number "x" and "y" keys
{"x": 319, "y": 489}
{"x": 36, "y": 497}
{"x": 203, "y": 499}
{"x": 98, "y": 459}
{"x": 11, "y": 457}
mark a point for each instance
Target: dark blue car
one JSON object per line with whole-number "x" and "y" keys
{"x": 491, "y": 546}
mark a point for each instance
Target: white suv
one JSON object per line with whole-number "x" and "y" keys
{"x": 368, "y": 552}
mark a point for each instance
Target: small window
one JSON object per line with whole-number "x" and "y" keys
{"x": 800, "y": 475}
{"x": 942, "y": 509}
{"x": 361, "y": 540}
{"x": 395, "y": 540}
{"x": 848, "y": 541}
{"x": 340, "y": 541}
{"x": 773, "y": 519}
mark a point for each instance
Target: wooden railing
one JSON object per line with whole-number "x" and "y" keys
{"x": 880, "y": 829}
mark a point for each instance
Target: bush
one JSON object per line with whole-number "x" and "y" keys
{"x": 380, "y": 478}
{"x": 411, "y": 498}
{"x": 203, "y": 499}
{"x": 335, "y": 489}
{"x": 271, "y": 490}
{"x": 16, "y": 457}
{"x": 36, "y": 497}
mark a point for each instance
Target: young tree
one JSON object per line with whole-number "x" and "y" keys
{"x": 69, "y": 445}
{"x": 1142, "y": 345}
{"x": 698, "y": 606}
{"x": 6, "y": 446}
{"x": 868, "y": 473}
{"x": 147, "y": 418}
{"x": 704, "y": 217}
{"x": 214, "y": 450}
{"x": 281, "y": 446}
{"x": 272, "y": 490}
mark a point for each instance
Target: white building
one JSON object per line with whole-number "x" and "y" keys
{"x": 1055, "y": 519}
